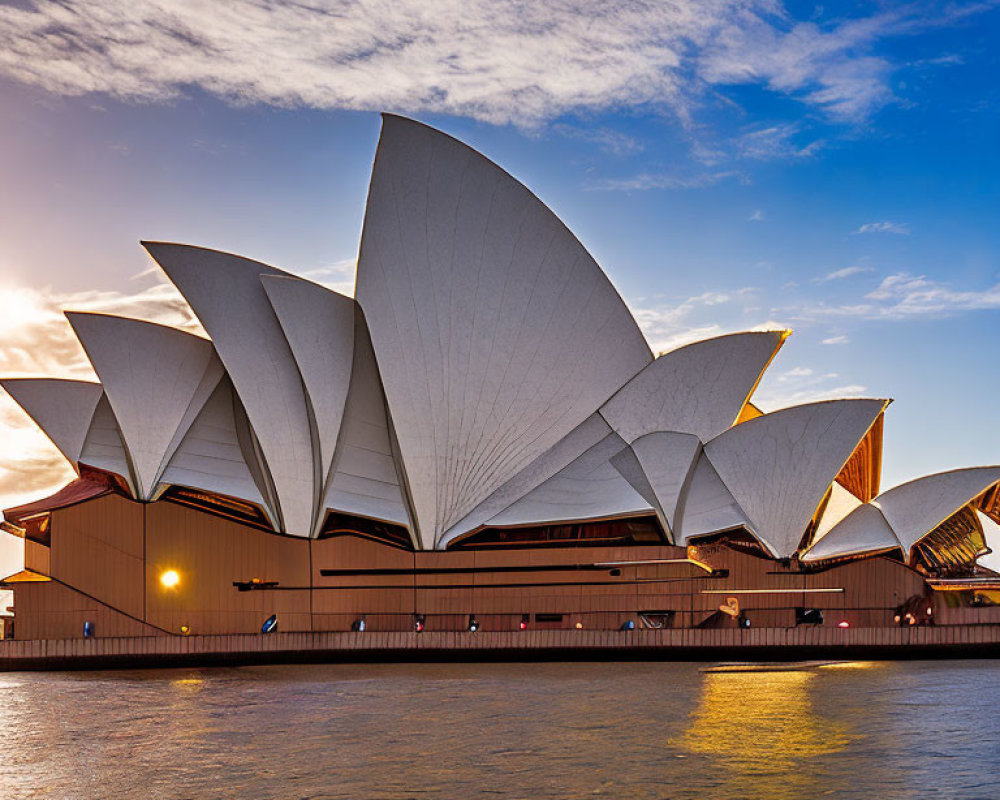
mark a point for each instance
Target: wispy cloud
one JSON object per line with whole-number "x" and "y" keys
{"x": 898, "y": 228}
{"x": 669, "y": 323}
{"x": 775, "y": 142}
{"x": 902, "y": 296}
{"x": 609, "y": 141}
{"x": 783, "y": 388}
{"x": 840, "y": 339}
{"x": 845, "y": 272}
{"x": 645, "y": 181}
{"x": 757, "y": 216}
{"x": 338, "y": 276}
{"x": 500, "y": 62}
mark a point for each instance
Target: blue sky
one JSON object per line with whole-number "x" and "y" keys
{"x": 833, "y": 169}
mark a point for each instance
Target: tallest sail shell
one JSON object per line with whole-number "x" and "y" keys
{"x": 496, "y": 333}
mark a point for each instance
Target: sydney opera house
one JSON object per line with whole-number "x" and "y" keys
{"x": 481, "y": 440}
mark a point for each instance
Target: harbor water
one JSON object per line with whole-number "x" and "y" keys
{"x": 886, "y": 730}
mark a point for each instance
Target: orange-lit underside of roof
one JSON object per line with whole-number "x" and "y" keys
{"x": 26, "y": 576}
{"x": 749, "y": 411}
{"x": 989, "y": 503}
{"x": 955, "y": 543}
{"x": 862, "y": 473}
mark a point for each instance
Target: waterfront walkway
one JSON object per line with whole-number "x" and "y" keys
{"x": 754, "y": 644}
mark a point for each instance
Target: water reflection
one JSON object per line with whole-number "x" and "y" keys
{"x": 761, "y": 728}
{"x": 545, "y": 731}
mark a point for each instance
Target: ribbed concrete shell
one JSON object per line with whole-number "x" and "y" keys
{"x": 226, "y": 294}
{"x": 840, "y": 504}
{"x": 864, "y": 530}
{"x": 212, "y": 455}
{"x": 908, "y": 512}
{"x": 319, "y": 327}
{"x": 916, "y": 508}
{"x": 708, "y": 506}
{"x": 495, "y": 331}
{"x": 214, "y": 373}
{"x": 664, "y": 462}
{"x": 587, "y": 434}
{"x": 779, "y": 466}
{"x": 589, "y": 488}
{"x": 365, "y": 478}
{"x": 150, "y": 374}
{"x": 699, "y": 388}
{"x": 104, "y": 446}
{"x": 63, "y": 409}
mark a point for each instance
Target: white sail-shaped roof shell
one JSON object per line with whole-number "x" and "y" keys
{"x": 214, "y": 373}
{"x": 864, "y": 530}
{"x": 778, "y": 466}
{"x": 104, "y": 446}
{"x": 587, "y": 434}
{"x": 226, "y": 294}
{"x": 150, "y": 375}
{"x": 699, "y": 388}
{"x": 365, "y": 478}
{"x": 319, "y": 326}
{"x": 916, "y": 508}
{"x": 707, "y": 506}
{"x": 840, "y": 504}
{"x": 589, "y": 488}
{"x": 665, "y": 462}
{"x": 213, "y": 453}
{"x": 63, "y": 409}
{"x": 908, "y": 513}
{"x": 495, "y": 331}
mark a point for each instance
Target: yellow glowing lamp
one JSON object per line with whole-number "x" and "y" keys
{"x": 185, "y": 630}
{"x": 169, "y": 578}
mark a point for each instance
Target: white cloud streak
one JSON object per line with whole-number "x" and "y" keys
{"x": 501, "y": 61}
{"x": 798, "y": 385}
{"x": 646, "y": 181}
{"x": 902, "y": 296}
{"x": 845, "y": 272}
{"x": 898, "y": 228}
{"x": 669, "y": 325}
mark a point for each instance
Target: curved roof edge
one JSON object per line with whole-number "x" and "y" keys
{"x": 699, "y": 388}
{"x": 150, "y": 374}
{"x": 779, "y": 466}
{"x": 62, "y": 408}
{"x": 225, "y": 292}
{"x": 496, "y": 332}
{"x": 915, "y": 508}
{"x": 319, "y": 326}
{"x": 863, "y": 530}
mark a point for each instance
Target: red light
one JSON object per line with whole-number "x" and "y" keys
{"x": 844, "y": 624}
{"x": 523, "y": 624}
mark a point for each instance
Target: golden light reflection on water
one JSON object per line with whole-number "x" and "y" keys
{"x": 760, "y": 728}
{"x": 851, "y": 665}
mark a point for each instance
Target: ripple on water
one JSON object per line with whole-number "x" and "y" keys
{"x": 855, "y": 730}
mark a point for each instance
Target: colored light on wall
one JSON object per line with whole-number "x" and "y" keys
{"x": 170, "y": 578}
